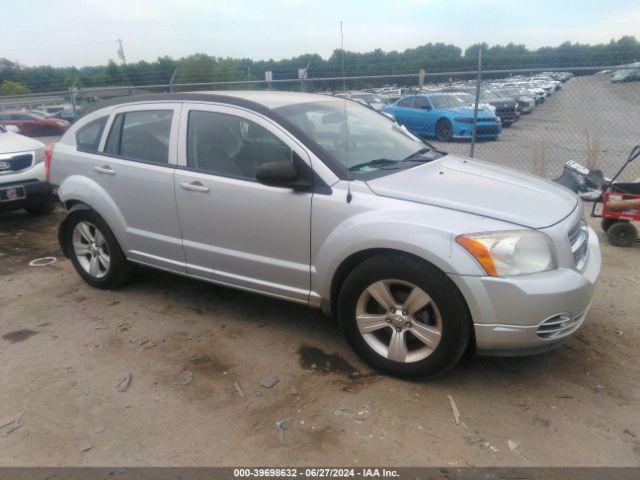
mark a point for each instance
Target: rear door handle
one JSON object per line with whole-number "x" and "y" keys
{"x": 194, "y": 187}
{"x": 105, "y": 170}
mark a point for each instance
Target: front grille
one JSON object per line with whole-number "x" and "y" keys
{"x": 487, "y": 130}
{"x": 559, "y": 325}
{"x": 16, "y": 163}
{"x": 506, "y": 110}
{"x": 579, "y": 241}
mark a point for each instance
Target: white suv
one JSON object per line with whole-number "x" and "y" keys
{"x": 24, "y": 181}
{"x": 326, "y": 202}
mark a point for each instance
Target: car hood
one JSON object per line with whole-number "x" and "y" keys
{"x": 12, "y": 142}
{"x": 481, "y": 188}
{"x": 466, "y": 111}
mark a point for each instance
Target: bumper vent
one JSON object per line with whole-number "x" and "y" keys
{"x": 559, "y": 326}
{"x": 579, "y": 240}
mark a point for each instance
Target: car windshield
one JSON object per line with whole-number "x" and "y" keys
{"x": 356, "y": 135}
{"x": 447, "y": 101}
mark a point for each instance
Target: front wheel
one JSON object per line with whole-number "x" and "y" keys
{"x": 444, "y": 130}
{"x": 403, "y": 316}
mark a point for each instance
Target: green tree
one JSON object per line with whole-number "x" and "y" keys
{"x": 13, "y": 88}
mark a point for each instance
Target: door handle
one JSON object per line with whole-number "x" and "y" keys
{"x": 194, "y": 187}
{"x": 106, "y": 170}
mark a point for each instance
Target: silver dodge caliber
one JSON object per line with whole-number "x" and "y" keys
{"x": 322, "y": 201}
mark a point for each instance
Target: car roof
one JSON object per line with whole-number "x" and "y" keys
{"x": 256, "y": 100}
{"x": 274, "y": 99}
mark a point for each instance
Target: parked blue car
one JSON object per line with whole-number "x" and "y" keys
{"x": 443, "y": 116}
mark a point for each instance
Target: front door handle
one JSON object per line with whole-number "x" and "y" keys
{"x": 105, "y": 170}
{"x": 194, "y": 187}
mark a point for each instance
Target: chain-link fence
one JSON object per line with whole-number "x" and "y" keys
{"x": 534, "y": 120}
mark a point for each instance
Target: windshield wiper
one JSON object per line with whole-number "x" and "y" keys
{"x": 419, "y": 153}
{"x": 378, "y": 162}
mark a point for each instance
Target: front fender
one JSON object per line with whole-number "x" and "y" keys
{"x": 78, "y": 188}
{"x": 399, "y": 230}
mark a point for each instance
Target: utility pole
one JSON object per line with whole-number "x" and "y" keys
{"x": 124, "y": 62}
{"x": 475, "y": 109}
{"x": 121, "y": 52}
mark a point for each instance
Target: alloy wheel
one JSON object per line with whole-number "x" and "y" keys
{"x": 91, "y": 249}
{"x": 399, "y": 320}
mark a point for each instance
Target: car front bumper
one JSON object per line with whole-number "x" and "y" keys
{"x": 508, "y": 312}
{"x": 36, "y": 191}
{"x": 485, "y": 131}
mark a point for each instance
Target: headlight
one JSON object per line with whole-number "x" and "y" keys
{"x": 510, "y": 253}
{"x": 38, "y": 155}
{"x": 463, "y": 120}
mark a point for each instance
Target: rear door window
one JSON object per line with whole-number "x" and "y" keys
{"x": 141, "y": 135}
{"x": 405, "y": 102}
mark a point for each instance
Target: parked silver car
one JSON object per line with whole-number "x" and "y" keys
{"x": 322, "y": 201}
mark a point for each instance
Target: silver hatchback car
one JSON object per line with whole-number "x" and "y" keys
{"x": 322, "y": 201}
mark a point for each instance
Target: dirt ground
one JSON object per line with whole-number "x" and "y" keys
{"x": 197, "y": 354}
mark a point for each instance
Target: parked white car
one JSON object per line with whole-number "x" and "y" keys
{"x": 24, "y": 178}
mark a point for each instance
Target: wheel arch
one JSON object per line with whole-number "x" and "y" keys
{"x": 79, "y": 192}
{"x": 355, "y": 259}
{"x": 352, "y": 261}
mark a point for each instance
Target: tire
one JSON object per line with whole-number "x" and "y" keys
{"x": 444, "y": 320}
{"x": 622, "y": 234}
{"x": 444, "y": 130}
{"x": 43, "y": 208}
{"x": 109, "y": 275}
{"x": 507, "y": 124}
{"x": 606, "y": 223}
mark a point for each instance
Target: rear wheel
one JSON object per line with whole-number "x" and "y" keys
{"x": 444, "y": 130}
{"x": 622, "y": 234}
{"x": 95, "y": 252}
{"x": 403, "y": 317}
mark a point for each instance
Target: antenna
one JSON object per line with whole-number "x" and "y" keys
{"x": 346, "y": 132}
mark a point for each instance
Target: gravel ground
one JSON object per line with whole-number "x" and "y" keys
{"x": 198, "y": 353}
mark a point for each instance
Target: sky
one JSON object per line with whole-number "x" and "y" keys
{"x": 84, "y": 32}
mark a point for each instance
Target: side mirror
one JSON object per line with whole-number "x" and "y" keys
{"x": 12, "y": 128}
{"x": 282, "y": 174}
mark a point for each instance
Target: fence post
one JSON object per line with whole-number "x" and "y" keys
{"x": 475, "y": 108}
{"x": 173, "y": 77}
{"x": 268, "y": 77}
{"x": 421, "y": 75}
{"x": 73, "y": 90}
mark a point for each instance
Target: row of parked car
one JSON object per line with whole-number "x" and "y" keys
{"x": 445, "y": 112}
{"x": 623, "y": 75}
{"x": 45, "y": 121}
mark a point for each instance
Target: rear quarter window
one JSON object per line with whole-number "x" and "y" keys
{"x": 88, "y": 137}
